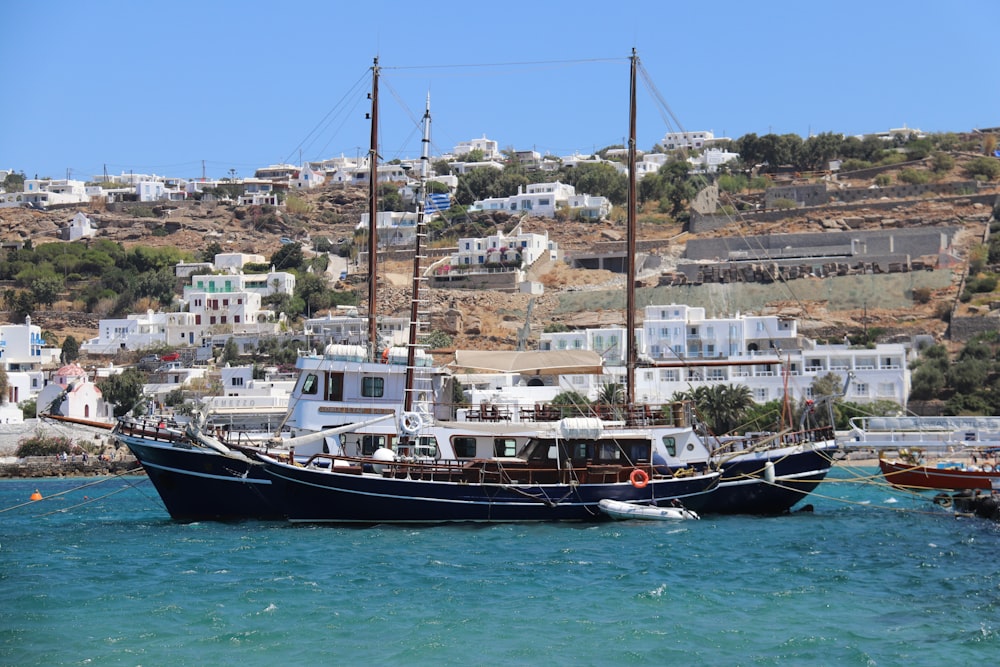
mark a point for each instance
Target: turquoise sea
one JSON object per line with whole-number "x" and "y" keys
{"x": 871, "y": 577}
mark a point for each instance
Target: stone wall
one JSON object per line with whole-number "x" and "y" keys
{"x": 48, "y": 466}
{"x": 964, "y": 328}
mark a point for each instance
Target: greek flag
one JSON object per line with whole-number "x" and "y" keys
{"x": 437, "y": 203}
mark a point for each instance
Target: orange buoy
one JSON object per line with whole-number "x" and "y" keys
{"x": 36, "y": 495}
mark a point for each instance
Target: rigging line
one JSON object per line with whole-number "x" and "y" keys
{"x": 75, "y": 488}
{"x": 127, "y": 487}
{"x": 516, "y": 63}
{"x": 651, "y": 86}
{"x": 347, "y": 116}
{"x": 323, "y": 122}
{"x": 655, "y": 92}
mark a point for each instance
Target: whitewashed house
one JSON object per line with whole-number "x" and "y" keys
{"x": 687, "y": 140}
{"x": 24, "y": 356}
{"x": 683, "y": 349}
{"x": 79, "y": 227}
{"x": 70, "y": 393}
{"x": 519, "y": 249}
{"x": 541, "y": 199}
{"x": 489, "y": 148}
{"x": 45, "y": 192}
{"x": 307, "y": 178}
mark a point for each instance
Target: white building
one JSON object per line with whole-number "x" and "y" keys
{"x": 216, "y": 304}
{"x": 682, "y": 349}
{"x": 70, "y": 393}
{"x": 687, "y": 140}
{"x": 307, "y": 178}
{"x": 45, "y": 192}
{"x": 79, "y": 227}
{"x": 518, "y": 248}
{"x": 23, "y": 355}
{"x": 349, "y": 329}
{"x": 489, "y": 148}
{"x": 543, "y": 199}
{"x": 710, "y": 160}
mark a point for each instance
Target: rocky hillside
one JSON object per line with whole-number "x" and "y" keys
{"x": 489, "y": 319}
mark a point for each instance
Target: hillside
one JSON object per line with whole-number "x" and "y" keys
{"x": 573, "y": 297}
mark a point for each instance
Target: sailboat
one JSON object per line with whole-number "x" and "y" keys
{"x": 767, "y": 475}
{"x": 561, "y": 473}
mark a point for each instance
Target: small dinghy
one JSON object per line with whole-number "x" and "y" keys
{"x": 617, "y": 509}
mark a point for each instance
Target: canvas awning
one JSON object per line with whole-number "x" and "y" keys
{"x": 535, "y": 362}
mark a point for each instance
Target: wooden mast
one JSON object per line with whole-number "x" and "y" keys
{"x": 372, "y": 221}
{"x": 415, "y": 296}
{"x": 630, "y": 259}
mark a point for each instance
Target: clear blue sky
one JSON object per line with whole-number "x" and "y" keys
{"x": 160, "y": 87}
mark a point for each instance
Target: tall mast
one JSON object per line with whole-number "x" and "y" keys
{"x": 415, "y": 298}
{"x": 630, "y": 232}
{"x": 372, "y": 223}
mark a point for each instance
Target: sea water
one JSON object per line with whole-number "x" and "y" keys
{"x": 872, "y": 576}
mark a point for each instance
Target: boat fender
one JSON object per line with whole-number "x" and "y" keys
{"x": 385, "y": 455}
{"x": 769, "y": 472}
{"x": 410, "y": 423}
{"x": 987, "y": 467}
{"x": 639, "y": 478}
{"x": 943, "y": 499}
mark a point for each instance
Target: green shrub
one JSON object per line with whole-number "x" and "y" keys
{"x": 914, "y": 176}
{"x": 40, "y": 445}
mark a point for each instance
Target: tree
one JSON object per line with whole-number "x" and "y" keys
{"x": 723, "y": 407}
{"x": 289, "y": 256}
{"x": 70, "y": 350}
{"x": 230, "y": 352}
{"x": 570, "y": 403}
{"x": 314, "y": 290}
{"x": 124, "y": 391}
{"x": 613, "y": 396}
{"x": 4, "y": 384}
{"x": 13, "y": 182}
{"x": 46, "y": 289}
{"x": 209, "y": 252}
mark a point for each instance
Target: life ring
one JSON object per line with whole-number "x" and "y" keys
{"x": 410, "y": 423}
{"x": 639, "y": 478}
{"x": 987, "y": 467}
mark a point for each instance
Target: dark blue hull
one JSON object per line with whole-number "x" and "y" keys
{"x": 198, "y": 484}
{"x": 310, "y": 495}
{"x": 744, "y": 489}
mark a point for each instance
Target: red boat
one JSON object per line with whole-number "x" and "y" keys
{"x": 946, "y": 476}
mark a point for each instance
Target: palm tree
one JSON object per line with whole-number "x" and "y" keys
{"x": 723, "y": 407}
{"x": 613, "y": 396}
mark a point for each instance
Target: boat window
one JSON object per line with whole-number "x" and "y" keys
{"x": 504, "y": 446}
{"x": 670, "y": 444}
{"x": 609, "y": 452}
{"x": 370, "y": 443}
{"x": 309, "y": 384}
{"x": 372, "y": 387}
{"x": 426, "y": 447}
{"x": 335, "y": 387}
{"x": 465, "y": 448}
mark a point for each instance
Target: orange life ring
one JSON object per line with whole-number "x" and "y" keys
{"x": 639, "y": 478}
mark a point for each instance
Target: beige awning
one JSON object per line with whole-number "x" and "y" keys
{"x": 545, "y": 362}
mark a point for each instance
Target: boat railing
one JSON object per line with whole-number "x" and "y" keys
{"x": 506, "y": 470}
{"x": 636, "y": 415}
{"x": 151, "y": 429}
